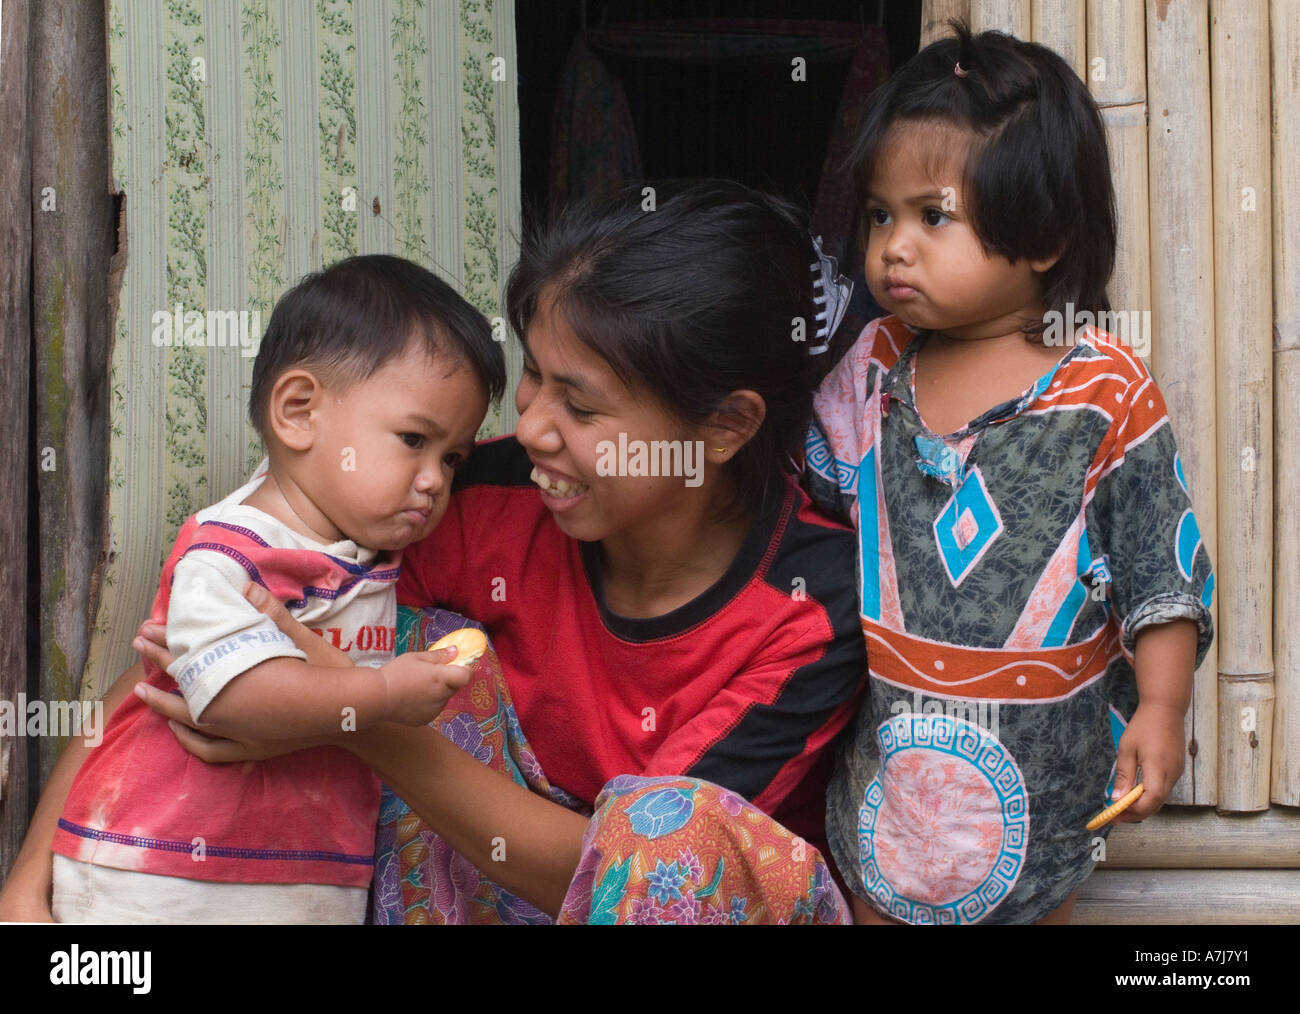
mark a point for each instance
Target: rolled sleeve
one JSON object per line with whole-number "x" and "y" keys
{"x": 215, "y": 633}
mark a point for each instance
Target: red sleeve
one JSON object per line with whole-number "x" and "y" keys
{"x": 432, "y": 567}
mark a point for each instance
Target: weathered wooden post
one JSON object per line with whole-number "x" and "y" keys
{"x": 935, "y": 15}
{"x": 1062, "y": 25}
{"x": 1117, "y": 79}
{"x": 1010, "y": 16}
{"x": 15, "y": 366}
{"x": 72, "y": 235}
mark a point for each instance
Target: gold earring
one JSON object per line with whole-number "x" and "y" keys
{"x": 720, "y": 450}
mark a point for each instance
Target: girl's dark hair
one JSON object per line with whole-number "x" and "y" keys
{"x": 1037, "y": 179}
{"x": 688, "y": 302}
{"x": 351, "y": 318}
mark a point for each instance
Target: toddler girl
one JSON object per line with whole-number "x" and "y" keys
{"x": 1033, "y": 581}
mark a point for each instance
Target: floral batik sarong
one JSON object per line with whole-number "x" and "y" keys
{"x": 661, "y": 850}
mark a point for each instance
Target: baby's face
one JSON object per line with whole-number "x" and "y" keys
{"x": 387, "y": 448}
{"x": 925, "y": 262}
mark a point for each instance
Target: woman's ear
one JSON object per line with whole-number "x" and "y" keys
{"x": 734, "y": 423}
{"x": 291, "y": 413}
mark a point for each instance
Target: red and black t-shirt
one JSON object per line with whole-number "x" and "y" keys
{"x": 745, "y": 686}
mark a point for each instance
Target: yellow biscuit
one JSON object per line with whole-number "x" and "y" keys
{"x": 470, "y": 644}
{"x": 1116, "y": 808}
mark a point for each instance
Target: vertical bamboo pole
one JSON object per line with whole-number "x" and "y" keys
{"x": 935, "y": 15}
{"x": 1062, "y": 25}
{"x": 1239, "y": 118}
{"x": 1182, "y": 310}
{"x": 1117, "y": 80}
{"x": 1284, "y": 30}
{"x": 15, "y": 395}
{"x": 1011, "y": 16}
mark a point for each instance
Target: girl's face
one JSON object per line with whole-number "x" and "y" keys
{"x": 924, "y": 261}
{"x": 573, "y": 412}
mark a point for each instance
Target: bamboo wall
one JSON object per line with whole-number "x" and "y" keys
{"x": 1199, "y": 98}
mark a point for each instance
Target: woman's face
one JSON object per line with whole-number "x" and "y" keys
{"x": 574, "y": 416}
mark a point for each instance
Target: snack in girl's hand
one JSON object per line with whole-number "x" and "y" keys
{"x": 1117, "y": 807}
{"x": 470, "y": 645}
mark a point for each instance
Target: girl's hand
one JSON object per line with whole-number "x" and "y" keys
{"x": 1153, "y": 741}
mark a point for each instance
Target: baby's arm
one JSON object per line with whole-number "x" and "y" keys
{"x": 285, "y": 698}
{"x": 240, "y": 674}
{"x": 1165, "y": 660}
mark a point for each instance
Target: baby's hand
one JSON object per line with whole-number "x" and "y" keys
{"x": 1154, "y": 741}
{"x": 419, "y": 684}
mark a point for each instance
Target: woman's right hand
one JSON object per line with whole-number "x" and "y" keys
{"x": 19, "y": 905}
{"x": 318, "y": 650}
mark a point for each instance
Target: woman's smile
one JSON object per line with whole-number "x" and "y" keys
{"x": 559, "y": 491}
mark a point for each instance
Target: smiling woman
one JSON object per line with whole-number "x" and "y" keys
{"x": 666, "y": 646}
{"x": 647, "y": 738}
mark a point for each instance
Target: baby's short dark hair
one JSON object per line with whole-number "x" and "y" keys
{"x": 351, "y": 318}
{"x": 1038, "y": 180}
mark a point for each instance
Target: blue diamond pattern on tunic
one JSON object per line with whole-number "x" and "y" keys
{"x": 966, "y": 527}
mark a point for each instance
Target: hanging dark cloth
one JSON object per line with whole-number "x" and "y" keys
{"x": 836, "y": 214}
{"x": 593, "y": 139}
{"x": 594, "y": 145}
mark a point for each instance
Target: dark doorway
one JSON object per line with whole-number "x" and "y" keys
{"x": 735, "y": 110}
{"x": 740, "y": 119}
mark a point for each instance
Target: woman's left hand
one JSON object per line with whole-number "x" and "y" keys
{"x": 206, "y": 743}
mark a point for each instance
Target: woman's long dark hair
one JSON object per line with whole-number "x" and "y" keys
{"x": 707, "y": 294}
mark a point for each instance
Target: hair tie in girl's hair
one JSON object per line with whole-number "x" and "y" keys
{"x": 831, "y": 292}
{"x": 958, "y": 70}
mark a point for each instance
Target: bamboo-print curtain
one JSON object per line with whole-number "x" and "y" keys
{"x": 255, "y": 142}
